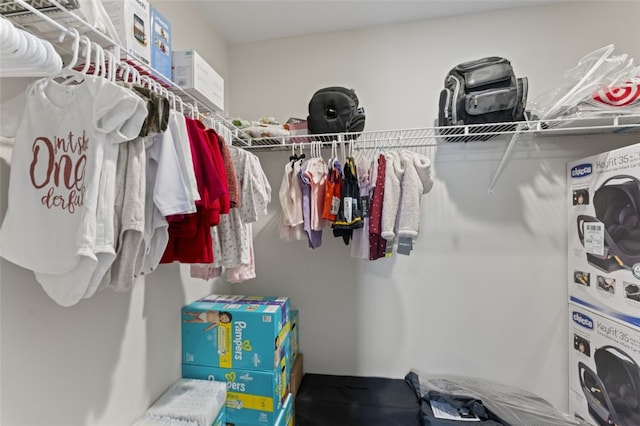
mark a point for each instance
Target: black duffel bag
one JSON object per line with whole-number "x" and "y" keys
{"x": 482, "y": 91}
{"x": 335, "y": 110}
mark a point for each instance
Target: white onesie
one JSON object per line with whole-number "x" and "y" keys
{"x": 51, "y": 221}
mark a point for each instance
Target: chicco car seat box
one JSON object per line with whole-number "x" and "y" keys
{"x": 604, "y": 233}
{"x": 604, "y": 376}
{"x": 233, "y": 335}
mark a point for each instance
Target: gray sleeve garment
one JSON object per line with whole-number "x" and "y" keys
{"x": 131, "y": 182}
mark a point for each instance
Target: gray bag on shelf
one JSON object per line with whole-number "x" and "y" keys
{"x": 482, "y": 91}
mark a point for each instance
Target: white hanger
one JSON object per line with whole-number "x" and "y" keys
{"x": 68, "y": 71}
{"x": 23, "y": 54}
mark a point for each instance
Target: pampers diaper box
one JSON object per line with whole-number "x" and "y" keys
{"x": 283, "y": 302}
{"x": 285, "y": 416}
{"x": 234, "y": 335}
{"x": 253, "y": 397}
{"x": 604, "y": 376}
{"x": 295, "y": 334}
{"x": 604, "y": 233}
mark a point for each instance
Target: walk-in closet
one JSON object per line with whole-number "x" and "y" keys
{"x": 481, "y": 292}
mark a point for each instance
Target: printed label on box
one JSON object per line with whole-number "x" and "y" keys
{"x": 603, "y": 368}
{"x": 161, "y": 44}
{"x": 604, "y": 233}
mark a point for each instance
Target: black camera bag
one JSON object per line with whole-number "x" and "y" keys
{"x": 335, "y": 110}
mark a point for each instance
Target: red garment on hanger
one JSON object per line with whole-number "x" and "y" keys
{"x": 190, "y": 237}
{"x": 377, "y": 244}
{"x": 214, "y": 145}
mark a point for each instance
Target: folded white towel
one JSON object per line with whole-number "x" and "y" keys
{"x": 151, "y": 420}
{"x": 194, "y": 400}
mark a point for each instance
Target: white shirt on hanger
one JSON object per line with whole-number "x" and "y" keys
{"x": 51, "y": 221}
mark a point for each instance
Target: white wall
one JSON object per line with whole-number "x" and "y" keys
{"x": 484, "y": 291}
{"x": 105, "y": 360}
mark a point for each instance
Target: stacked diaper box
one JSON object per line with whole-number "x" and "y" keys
{"x": 188, "y": 402}
{"x": 297, "y": 369}
{"x": 244, "y": 341}
{"x": 604, "y": 286}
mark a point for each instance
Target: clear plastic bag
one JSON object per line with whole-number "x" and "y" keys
{"x": 599, "y": 69}
{"x": 512, "y": 405}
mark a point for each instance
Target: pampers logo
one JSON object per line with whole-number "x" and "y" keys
{"x": 231, "y": 382}
{"x": 583, "y": 320}
{"x": 239, "y": 344}
{"x": 581, "y": 170}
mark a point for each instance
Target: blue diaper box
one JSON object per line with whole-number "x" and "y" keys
{"x": 253, "y": 397}
{"x": 160, "y": 44}
{"x": 234, "y": 335}
{"x": 283, "y": 302}
{"x": 285, "y": 416}
{"x": 295, "y": 333}
{"x": 221, "y": 418}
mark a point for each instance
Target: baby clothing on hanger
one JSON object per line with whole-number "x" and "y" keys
{"x": 392, "y": 192}
{"x": 316, "y": 172}
{"x": 416, "y": 182}
{"x": 55, "y": 179}
{"x": 333, "y": 191}
{"x": 291, "y": 222}
{"x": 377, "y": 244}
{"x": 349, "y": 215}
{"x": 314, "y": 237}
{"x": 190, "y": 235}
{"x": 234, "y": 232}
{"x": 360, "y": 236}
{"x": 108, "y": 234}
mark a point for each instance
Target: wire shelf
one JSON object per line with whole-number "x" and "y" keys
{"x": 431, "y": 136}
{"x": 10, "y": 8}
{"x": 53, "y": 20}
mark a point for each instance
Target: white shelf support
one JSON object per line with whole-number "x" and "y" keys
{"x": 505, "y": 159}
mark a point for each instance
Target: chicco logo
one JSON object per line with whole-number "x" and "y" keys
{"x": 581, "y": 170}
{"x": 583, "y": 320}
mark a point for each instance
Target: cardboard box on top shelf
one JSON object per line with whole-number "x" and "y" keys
{"x": 161, "y": 56}
{"x": 297, "y": 128}
{"x": 196, "y": 77}
{"x": 604, "y": 233}
{"x": 131, "y": 20}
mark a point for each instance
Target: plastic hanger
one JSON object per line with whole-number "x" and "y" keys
{"x": 68, "y": 71}
{"x": 23, "y": 54}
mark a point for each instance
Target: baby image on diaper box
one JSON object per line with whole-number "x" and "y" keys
{"x": 233, "y": 335}
{"x": 283, "y": 302}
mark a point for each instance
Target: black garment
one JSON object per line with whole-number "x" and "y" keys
{"x": 349, "y": 215}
